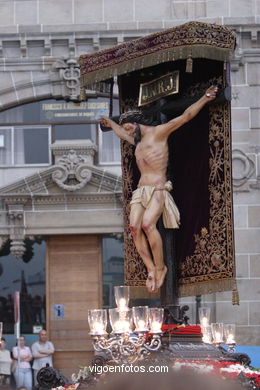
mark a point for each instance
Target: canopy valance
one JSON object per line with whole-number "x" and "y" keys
{"x": 190, "y": 40}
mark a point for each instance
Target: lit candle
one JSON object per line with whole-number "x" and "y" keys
{"x": 118, "y": 326}
{"x": 122, "y": 326}
{"x": 141, "y": 325}
{"x": 206, "y": 339}
{"x": 230, "y": 339}
{"x": 204, "y": 321}
{"x": 98, "y": 328}
{"x": 218, "y": 337}
{"x": 156, "y": 326}
{"x": 122, "y": 304}
{"x": 125, "y": 326}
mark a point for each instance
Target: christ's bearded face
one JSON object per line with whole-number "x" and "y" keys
{"x": 130, "y": 128}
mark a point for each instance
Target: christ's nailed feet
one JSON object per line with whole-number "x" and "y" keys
{"x": 160, "y": 273}
{"x": 151, "y": 282}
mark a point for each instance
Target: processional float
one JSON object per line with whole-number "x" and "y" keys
{"x": 164, "y": 73}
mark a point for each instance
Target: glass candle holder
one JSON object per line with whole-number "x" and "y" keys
{"x": 97, "y": 320}
{"x": 141, "y": 318}
{"x": 121, "y": 321}
{"x": 206, "y": 334}
{"x": 229, "y": 333}
{"x": 204, "y": 316}
{"x": 122, "y": 295}
{"x": 156, "y": 319}
{"x": 217, "y": 332}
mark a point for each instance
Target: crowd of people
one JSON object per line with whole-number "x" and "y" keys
{"x": 23, "y": 363}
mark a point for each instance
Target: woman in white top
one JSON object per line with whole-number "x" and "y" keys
{"x": 5, "y": 364}
{"x": 23, "y": 372}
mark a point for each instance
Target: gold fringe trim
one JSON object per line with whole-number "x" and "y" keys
{"x": 235, "y": 294}
{"x": 173, "y": 54}
{"x": 202, "y": 288}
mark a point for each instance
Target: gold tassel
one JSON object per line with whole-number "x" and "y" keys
{"x": 189, "y": 64}
{"x": 82, "y": 95}
{"x": 235, "y": 294}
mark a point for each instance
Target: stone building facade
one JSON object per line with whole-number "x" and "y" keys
{"x": 40, "y": 41}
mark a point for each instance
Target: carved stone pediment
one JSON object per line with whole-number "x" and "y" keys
{"x": 70, "y": 174}
{"x": 84, "y": 149}
{"x": 70, "y": 197}
{"x": 73, "y": 171}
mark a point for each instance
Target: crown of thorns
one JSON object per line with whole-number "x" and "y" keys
{"x": 131, "y": 115}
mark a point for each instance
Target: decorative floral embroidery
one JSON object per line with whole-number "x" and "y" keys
{"x": 213, "y": 257}
{"x": 193, "y": 38}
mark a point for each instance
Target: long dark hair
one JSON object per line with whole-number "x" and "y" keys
{"x": 138, "y": 117}
{"x": 137, "y": 137}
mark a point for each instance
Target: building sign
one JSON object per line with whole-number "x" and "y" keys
{"x": 37, "y": 329}
{"x": 58, "y": 310}
{"x": 158, "y": 88}
{"x": 64, "y": 112}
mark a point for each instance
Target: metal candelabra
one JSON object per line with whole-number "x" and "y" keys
{"x": 135, "y": 332}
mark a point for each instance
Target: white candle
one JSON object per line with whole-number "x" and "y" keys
{"x": 125, "y": 326}
{"x": 218, "y": 337}
{"x": 206, "y": 339}
{"x": 98, "y": 328}
{"x": 141, "y": 325}
{"x": 118, "y": 326}
{"x": 122, "y": 304}
{"x": 204, "y": 321}
{"x": 122, "y": 326}
{"x": 156, "y": 326}
{"x": 230, "y": 339}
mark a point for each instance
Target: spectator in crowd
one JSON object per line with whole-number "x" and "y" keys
{"x": 22, "y": 388}
{"x": 42, "y": 351}
{"x": 5, "y": 364}
{"x": 23, "y": 372}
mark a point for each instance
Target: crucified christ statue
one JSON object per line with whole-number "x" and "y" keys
{"x": 151, "y": 199}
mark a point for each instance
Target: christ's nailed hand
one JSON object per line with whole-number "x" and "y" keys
{"x": 211, "y": 92}
{"x": 106, "y": 122}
